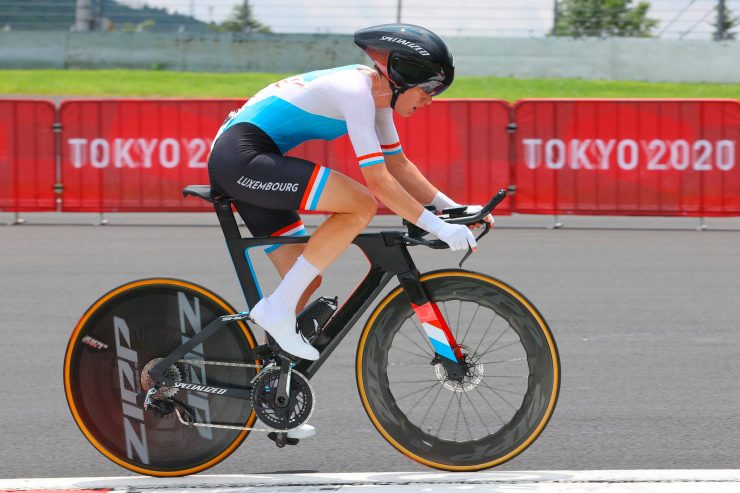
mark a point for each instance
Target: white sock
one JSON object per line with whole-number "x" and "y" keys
{"x": 285, "y": 297}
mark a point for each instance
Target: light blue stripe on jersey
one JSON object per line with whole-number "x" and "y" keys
{"x": 370, "y": 163}
{"x": 311, "y": 76}
{"x": 287, "y": 124}
{"x": 391, "y": 152}
{"x": 319, "y": 189}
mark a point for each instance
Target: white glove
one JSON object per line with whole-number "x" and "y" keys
{"x": 458, "y": 236}
{"x": 442, "y": 202}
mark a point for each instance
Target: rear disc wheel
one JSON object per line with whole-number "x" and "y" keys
{"x": 105, "y": 377}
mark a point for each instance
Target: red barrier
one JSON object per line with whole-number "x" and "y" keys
{"x": 27, "y": 156}
{"x": 137, "y": 155}
{"x": 636, "y": 157}
{"x": 461, "y": 146}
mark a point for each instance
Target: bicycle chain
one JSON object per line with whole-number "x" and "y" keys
{"x": 217, "y": 363}
{"x": 232, "y": 427}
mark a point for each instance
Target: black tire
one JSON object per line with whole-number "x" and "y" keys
{"x": 397, "y": 382}
{"x": 113, "y": 341}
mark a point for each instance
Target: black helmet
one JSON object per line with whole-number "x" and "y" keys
{"x": 408, "y": 56}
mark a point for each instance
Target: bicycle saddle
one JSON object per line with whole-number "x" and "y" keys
{"x": 205, "y": 192}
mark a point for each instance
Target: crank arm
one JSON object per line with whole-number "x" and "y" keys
{"x": 282, "y": 398}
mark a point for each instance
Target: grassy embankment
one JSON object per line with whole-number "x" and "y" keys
{"x": 140, "y": 83}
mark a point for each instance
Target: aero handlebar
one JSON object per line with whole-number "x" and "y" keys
{"x": 478, "y": 217}
{"x": 471, "y": 219}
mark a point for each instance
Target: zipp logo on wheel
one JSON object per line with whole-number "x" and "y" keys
{"x": 133, "y": 416}
{"x": 189, "y": 326}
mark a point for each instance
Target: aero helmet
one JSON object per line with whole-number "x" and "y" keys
{"x": 408, "y": 56}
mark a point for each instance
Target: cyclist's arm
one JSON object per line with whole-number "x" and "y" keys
{"x": 410, "y": 178}
{"x": 382, "y": 184}
{"x": 402, "y": 169}
{"x": 355, "y": 102}
{"x": 385, "y": 187}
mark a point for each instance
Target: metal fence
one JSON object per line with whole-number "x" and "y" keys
{"x": 669, "y": 19}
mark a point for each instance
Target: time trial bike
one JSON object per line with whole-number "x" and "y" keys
{"x": 456, "y": 369}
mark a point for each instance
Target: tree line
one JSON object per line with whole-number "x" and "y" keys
{"x": 604, "y": 18}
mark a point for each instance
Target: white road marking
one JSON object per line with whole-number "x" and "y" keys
{"x": 642, "y": 481}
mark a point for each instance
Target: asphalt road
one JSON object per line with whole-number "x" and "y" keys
{"x": 647, "y": 322}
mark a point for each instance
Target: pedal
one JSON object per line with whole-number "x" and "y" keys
{"x": 270, "y": 351}
{"x": 281, "y": 439}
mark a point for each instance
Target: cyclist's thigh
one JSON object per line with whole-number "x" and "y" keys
{"x": 270, "y": 180}
{"x": 273, "y": 222}
{"x": 275, "y": 181}
{"x": 343, "y": 194}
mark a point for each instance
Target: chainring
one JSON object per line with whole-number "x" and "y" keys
{"x": 300, "y": 405}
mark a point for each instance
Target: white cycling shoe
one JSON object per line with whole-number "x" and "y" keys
{"x": 302, "y": 431}
{"x": 283, "y": 330}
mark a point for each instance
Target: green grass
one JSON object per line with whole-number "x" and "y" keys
{"x": 154, "y": 83}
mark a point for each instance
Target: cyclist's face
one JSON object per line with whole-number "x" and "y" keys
{"x": 411, "y": 100}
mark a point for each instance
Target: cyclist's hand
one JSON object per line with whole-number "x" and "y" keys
{"x": 474, "y": 209}
{"x": 458, "y": 236}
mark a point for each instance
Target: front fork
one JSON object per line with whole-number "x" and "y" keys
{"x": 446, "y": 349}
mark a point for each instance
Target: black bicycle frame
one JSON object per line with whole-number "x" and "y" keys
{"x": 388, "y": 256}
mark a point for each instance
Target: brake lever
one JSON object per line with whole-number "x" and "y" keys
{"x": 486, "y": 229}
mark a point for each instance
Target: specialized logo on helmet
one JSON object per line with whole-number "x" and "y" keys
{"x": 406, "y": 42}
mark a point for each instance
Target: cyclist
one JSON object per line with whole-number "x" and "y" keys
{"x": 247, "y": 162}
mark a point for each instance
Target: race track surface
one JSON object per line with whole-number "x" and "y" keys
{"x": 647, "y": 322}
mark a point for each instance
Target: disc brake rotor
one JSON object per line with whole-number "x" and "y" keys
{"x": 472, "y": 378}
{"x": 299, "y": 407}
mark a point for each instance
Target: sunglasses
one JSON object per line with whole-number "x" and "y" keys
{"x": 429, "y": 77}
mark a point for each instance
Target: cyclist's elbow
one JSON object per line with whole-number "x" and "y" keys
{"x": 380, "y": 186}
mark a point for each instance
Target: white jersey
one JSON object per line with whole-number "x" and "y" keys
{"x": 325, "y": 104}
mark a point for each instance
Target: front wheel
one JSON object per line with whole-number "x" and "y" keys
{"x": 106, "y": 367}
{"x": 500, "y": 407}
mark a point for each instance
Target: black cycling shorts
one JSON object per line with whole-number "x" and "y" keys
{"x": 269, "y": 188}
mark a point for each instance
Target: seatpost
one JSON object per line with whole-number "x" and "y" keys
{"x": 234, "y": 244}
{"x": 226, "y": 219}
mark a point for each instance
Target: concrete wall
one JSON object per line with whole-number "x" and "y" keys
{"x": 618, "y": 59}
{"x": 613, "y": 58}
